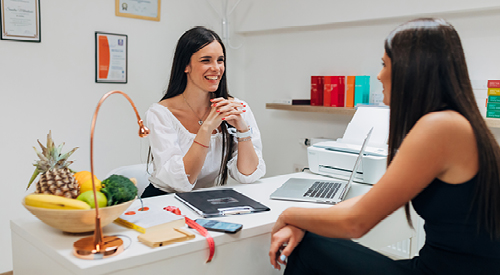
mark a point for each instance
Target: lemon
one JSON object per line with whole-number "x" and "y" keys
{"x": 85, "y": 181}
{"x": 87, "y": 185}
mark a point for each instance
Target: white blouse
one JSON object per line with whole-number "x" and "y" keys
{"x": 170, "y": 141}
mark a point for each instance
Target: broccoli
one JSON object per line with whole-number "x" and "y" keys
{"x": 118, "y": 189}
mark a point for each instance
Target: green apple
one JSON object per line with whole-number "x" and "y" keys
{"x": 88, "y": 197}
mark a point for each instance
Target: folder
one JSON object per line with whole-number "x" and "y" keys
{"x": 220, "y": 202}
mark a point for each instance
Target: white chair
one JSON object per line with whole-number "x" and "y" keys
{"x": 138, "y": 171}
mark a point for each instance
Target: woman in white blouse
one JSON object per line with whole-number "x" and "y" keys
{"x": 199, "y": 133}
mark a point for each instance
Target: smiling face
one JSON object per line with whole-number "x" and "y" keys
{"x": 384, "y": 76}
{"x": 206, "y": 68}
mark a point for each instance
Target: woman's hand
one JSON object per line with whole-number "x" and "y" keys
{"x": 230, "y": 111}
{"x": 282, "y": 244}
{"x": 280, "y": 223}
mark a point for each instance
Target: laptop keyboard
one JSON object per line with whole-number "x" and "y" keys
{"x": 323, "y": 189}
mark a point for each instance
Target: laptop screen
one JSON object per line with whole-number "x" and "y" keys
{"x": 360, "y": 156}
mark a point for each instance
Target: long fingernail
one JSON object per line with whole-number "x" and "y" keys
{"x": 244, "y": 111}
{"x": 244, "y": 105}
{"x": 211, "y": 100}
{"x": 282, "y": 257}
{"x": 218, "y": 111}
{"x": 223, "y": 118}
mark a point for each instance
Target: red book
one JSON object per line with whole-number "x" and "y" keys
{"x": 493, "y": 83}
{"x": 327, "y": 90}
{"x": 334, "y": 91}
{"x": 341, "y": 92}
{"x": 316, "y": 90}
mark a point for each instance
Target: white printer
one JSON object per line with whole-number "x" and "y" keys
{"x": 336, "y": 158}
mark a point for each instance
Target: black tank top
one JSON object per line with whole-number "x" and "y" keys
{"x": 454, "y": 244}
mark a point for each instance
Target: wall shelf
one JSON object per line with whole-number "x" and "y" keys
{"x": 309, "y": 108}
{"x": 491, "y": 122}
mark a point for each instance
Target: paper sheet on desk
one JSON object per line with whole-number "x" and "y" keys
{"x": 364, "y": 119}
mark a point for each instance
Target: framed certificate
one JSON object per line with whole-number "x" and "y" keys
{"x": 140, "y": 9}
{"x": 20, "y": 20}
{"x": 111, "y": 58}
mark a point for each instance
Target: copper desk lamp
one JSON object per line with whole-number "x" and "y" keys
{"x": 98, "y": 246}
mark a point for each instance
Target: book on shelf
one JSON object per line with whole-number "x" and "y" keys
{"x": 283, "y": 101}
{"x": 292, "y": 101}
{"x": 493, "y": 108}
{"x": 327, "y": 90}
{"x": 316, "y": 90}
{"x": 494, "y": 91}
{"x": 361, "y": 89}
{"x": 334, "y": 91}
{"x": 338, "y": 96}
{"x": 301, "y": 102}
{"x": 493, "y": 99}
{"x": 492, "y": 114}
{"x": 349, "y": 93}
{"x": 493, "y": 83}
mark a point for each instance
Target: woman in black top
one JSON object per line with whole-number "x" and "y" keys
{"x": 442, "y": 157}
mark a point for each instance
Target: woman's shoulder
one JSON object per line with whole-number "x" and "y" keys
{"x": 159, "y": 113}
{"x": 157, "y": 109}
{"x": 444, "y": 121}
{"x": 443, "y": 127}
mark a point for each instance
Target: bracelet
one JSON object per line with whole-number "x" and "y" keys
{"x": 244, "y": 139}
{"x": 246, "y": 134}
{"x": 200, "y": 144}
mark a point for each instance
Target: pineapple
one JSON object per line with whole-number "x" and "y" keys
{"x": 56, "y": 178}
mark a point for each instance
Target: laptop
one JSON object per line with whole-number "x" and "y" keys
{"x": 319, "y": 190}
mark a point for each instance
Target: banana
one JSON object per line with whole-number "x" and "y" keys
{"x": 55, "y": 202}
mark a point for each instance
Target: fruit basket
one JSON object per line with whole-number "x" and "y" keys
{"x": 77, "y": 221}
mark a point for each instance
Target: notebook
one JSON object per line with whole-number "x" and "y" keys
{"x": 319, "y": 191}
{"x": 220, "y": 202}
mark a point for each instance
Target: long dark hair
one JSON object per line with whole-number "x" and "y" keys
{"x": 429, "y": 73}
{"x": 191, "y": 42}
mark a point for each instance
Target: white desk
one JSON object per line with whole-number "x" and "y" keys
{"x": 40, "y": 249}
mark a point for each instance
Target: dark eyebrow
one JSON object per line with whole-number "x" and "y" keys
{"x": 209, "y": 57}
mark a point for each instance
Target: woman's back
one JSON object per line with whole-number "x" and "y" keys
{"x": 453, "y": 239}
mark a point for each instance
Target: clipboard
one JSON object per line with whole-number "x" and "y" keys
{"x": 220, "y": 202}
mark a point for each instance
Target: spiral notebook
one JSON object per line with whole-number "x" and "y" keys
{"x": 220, "y": 202}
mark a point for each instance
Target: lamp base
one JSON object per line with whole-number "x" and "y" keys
{"x": 85, "y": 248}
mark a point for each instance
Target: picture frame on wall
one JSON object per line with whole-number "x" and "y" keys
{"x": 111, "y": 51}
{"x": 139, "y": 9}
{"x": 20, "y": 20}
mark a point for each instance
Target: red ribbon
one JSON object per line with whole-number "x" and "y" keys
{"x": 197, "y": 227}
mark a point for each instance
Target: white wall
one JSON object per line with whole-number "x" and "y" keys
{"x": 50, "y": 86}
{"x": 286, "y": 42}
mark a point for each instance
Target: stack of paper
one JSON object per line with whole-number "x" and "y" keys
{"x": 363, "y": 120}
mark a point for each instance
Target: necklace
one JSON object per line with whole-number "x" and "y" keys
{"x": 200, "y": 121}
